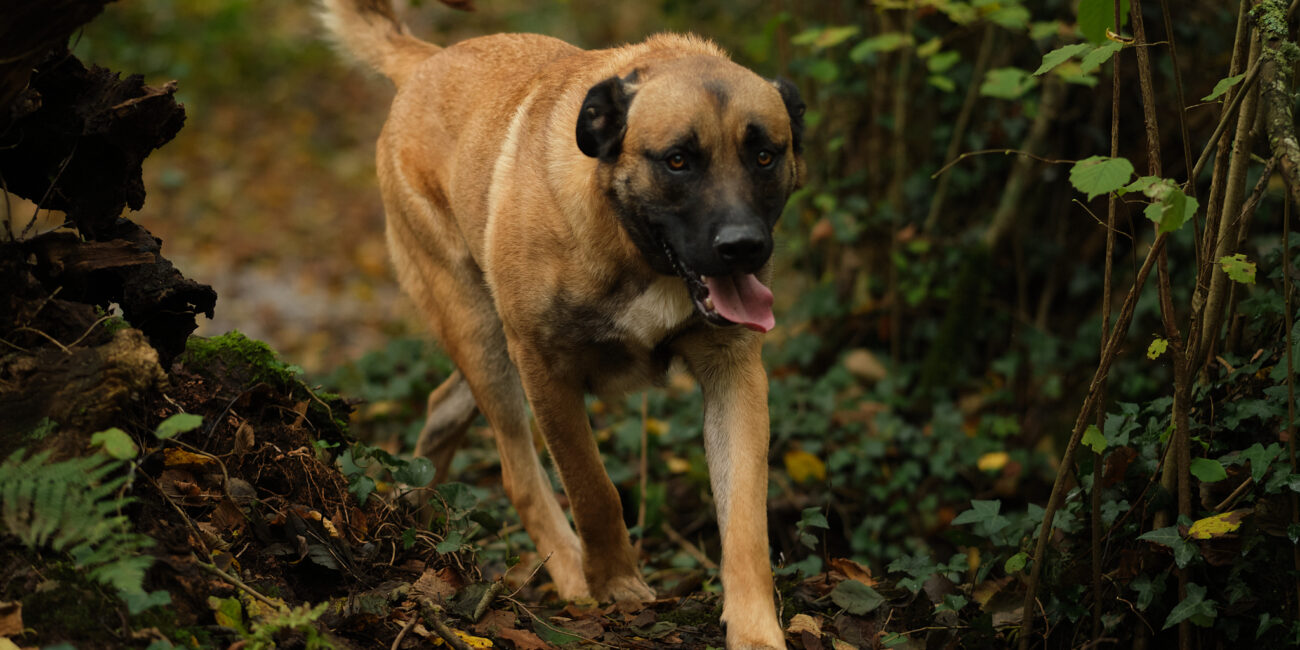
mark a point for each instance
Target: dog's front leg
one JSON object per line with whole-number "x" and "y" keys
{"x": 608, "y": 560}
{"x": 736, "y": 442}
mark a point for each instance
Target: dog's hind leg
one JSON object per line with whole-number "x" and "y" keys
{"x": 451, "y": 410}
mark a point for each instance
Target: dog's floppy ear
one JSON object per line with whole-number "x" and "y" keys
{"x": 603, "y": 118}
{"x": 795, "y": 106}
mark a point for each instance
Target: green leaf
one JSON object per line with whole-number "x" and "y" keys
{"x": 825, "y": 37}
{"x": 1096, "y": 16}
{"x": 1100, "y": 175}
{"x": 856, "y": 598}
{"x": 1238, "y": 268}
{"x": 941, "y": 82}
{"x": 1099, "y": 55}
{"x": 176, "y": 424}
{"x": 1194, "y": 607}
{"x": 1260, "y": 458}
{"x": 1061, "y": 55}
{"x": 1223, "y": 86}
{"x": 1207, "y": 470}
{"x": 1169, "y": 536}
{"x": 1012, "y": 17}
{"x": 941, "y": 61}
{"x": 1157, "y": 348}
{"x": 1016, "y": 562}
{"x": 1142, "y": 184}
{"x": 1007, "y": 83}
{"x": 1093, "y": 439}
{"x": 460, "y": 498}
{"x": 117, "y": 443}
{"x": 887, "y": 42}
{"x": 813, "y": 518}
{"x": 418, "y": 471}
{"x": 1172, "y": 210}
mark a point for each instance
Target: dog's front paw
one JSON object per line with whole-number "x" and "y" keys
{"x": 625, "y": 589}
{"x": 757, "y": 633}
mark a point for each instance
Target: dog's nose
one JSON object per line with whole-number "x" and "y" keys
{"x": 741, "y": 245}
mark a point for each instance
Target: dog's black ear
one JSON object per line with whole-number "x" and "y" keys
{"x": 603, "y": 119}
{"x": 795, "y": 106}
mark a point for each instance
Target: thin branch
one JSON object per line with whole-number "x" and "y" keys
{"x": 1113, "y": 345}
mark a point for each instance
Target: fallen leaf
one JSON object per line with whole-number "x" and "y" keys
{"x": 243, "y": 438}
{"x": 993, "y": 461}
{"x": 804, "y": 623}
{"x": 524, "y": 640}
{"x": 810, "y": 641}
{"x": 801, "y": 466}
{"x": 853, "y": 571}
{"x": 175, "y": 458}
{"x": 11, "y": 618}
{"x": 495, "y": 621}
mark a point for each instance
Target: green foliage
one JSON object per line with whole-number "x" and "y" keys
{"x": 1007, "y": 83}
{"x": 1099, "y": 175}
{"x": 856, "y": 598}
{"x": 1094, "y": 440}
{"x": 1238, "y": 268}
{"x": 178, "y": 424}
{"x": 1223, "y": 86}
{"x": 74, "y": 506}
{"x": 1097, "y": 16}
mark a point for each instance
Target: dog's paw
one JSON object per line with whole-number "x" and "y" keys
{"x": 626, "y": 589}
{"x": 762, "y": 633}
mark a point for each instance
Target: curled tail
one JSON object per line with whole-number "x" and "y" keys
{"x": 370, "y": 31}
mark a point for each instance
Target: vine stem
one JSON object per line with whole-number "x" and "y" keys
{"x": 1113, "y": 345}
{"x": 1275, "y": 91}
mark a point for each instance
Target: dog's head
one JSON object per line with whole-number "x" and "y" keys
{"x": 698, "y": 156}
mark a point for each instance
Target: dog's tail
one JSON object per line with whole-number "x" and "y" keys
{"x": 370, "y": 31}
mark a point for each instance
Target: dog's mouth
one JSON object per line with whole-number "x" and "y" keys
{"x": 736, "y": 299}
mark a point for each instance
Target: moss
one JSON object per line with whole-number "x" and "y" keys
{"x": 250, "y": 359}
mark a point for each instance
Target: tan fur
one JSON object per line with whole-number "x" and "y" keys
{"x": 495, "y": 218}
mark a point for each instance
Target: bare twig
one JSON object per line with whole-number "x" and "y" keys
{"x": 433, "y": 616}
{"x": 689, "y": 548}
{"x": 410, "y": 623}
{"x": 212, "y": 568}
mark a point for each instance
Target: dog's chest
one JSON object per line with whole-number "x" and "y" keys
{"x": 621, "y": 344}
{"x": 655, "y": 313}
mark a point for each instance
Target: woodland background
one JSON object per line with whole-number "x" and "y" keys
{"x": 971, "y": 228}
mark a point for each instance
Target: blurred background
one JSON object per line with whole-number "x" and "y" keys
{"x": 939, "y": 315}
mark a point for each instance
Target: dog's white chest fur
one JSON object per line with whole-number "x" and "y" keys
{"x": 659, "y": 310}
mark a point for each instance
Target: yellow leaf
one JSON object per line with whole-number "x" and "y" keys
{"x": 175, "y": 458}
{"x": 678, "y": 465}
{"x": 471, "y": 641}
{"x": 1217, "y": 525}
{"x": 801, "y": 466}
{"x": 656, "y": 427}
{"x": 993, "y": 461}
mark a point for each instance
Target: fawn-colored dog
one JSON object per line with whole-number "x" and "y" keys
{"x": 572, "y": 221}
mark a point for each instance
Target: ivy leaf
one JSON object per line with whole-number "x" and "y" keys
{"x": 1100, "y": 175}
{"x": 1099, "y": 55}
{"x": 856, "y": 598}
{"x": 1096, "y": 16}
{"x": 1169, "y": 536}
{"x": 1060, "y": 55}
{"x": 418, "y": 472}
{"x": 1157, "y": 348}
{"x": 1093, "y": 438}
{"x": 1223, "y": 86}
{"x": 1194, "y": 607}
{"x": 1238, "y": 268}
{"x": 1207, "y": 470}
{"x": 1007, "y": 83}
{"x": 117, "y": 443}
{"x": 176, "y": 424}
{"x": 1218, "y": 525}
{"x": 1260, "y": 458}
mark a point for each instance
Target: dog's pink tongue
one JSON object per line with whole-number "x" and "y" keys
{"x": 743, "y": 300}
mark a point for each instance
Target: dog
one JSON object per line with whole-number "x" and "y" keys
{"x": 573, "y": 221}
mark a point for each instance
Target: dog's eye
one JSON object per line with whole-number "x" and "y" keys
{"x": 764, "y": 158}
{"x": 676, "y": 162}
